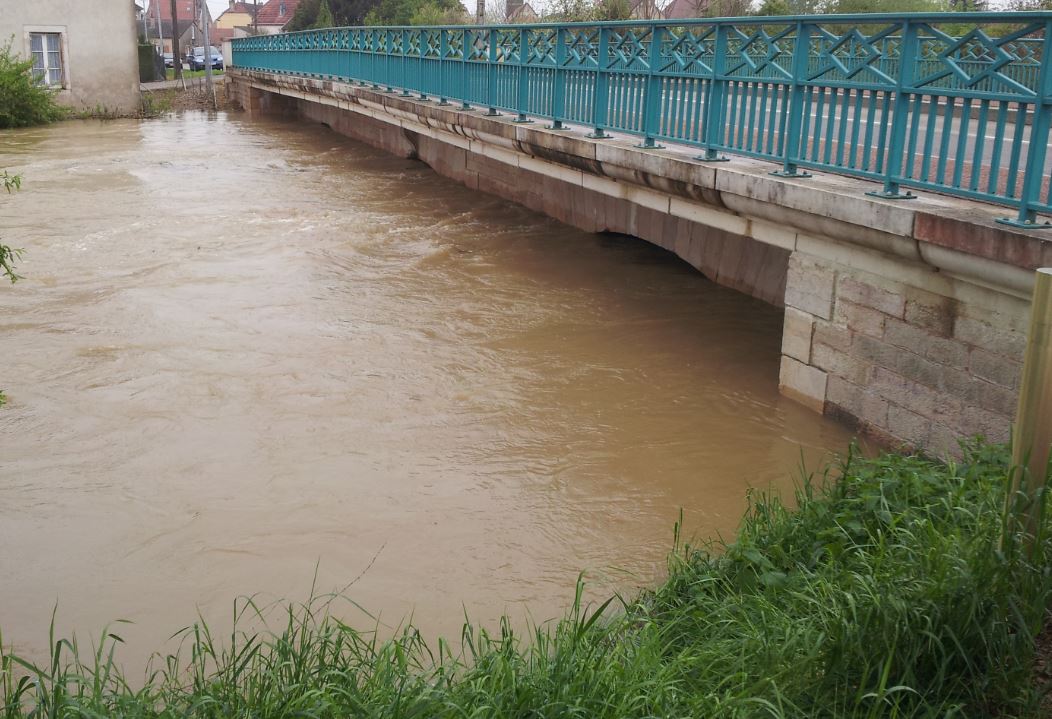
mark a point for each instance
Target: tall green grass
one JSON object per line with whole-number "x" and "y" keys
{"x": 885, "y": 593}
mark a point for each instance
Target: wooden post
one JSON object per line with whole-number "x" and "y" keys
{"x": 1033, "y": 424}
{"x": 177, "y": 60}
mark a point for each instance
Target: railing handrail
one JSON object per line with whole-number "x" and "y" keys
{"x": 969, "y": 18}
{"x": 883, "y": 96}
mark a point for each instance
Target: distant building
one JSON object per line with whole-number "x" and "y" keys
{"x": 185, "y": 9}
{"x": 187, "y": 33}
{"x": 646, "y": 10}
{"x": 239, "y": 14}
{"x": 275, "y": 15}
{"x": 518, "y": 11}
{"x": 85, "y": 51}
{"x": 682, "y": 9}
{"x": 191, "y": 34}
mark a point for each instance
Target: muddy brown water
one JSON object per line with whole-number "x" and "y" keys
{"x": 249, "y": 353}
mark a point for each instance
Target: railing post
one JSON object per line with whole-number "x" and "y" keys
{"x": 801, "y": 56}
{"x": 491, "y": 74}
{"x": 465, "y": 54}
{"x": 900, "y": 116}
{"x": 405, "y": 64}
{"x": 363, "y": 58}
{"x": 443, "y": 49}
{"x": 714, "y": 99}
{"x": 388, "y": 51}
{"x": 1033, "y": 178}
{"x": 422, "y": 63}
{"x": 559, "y": 80}
{"x": 602, "y": 86}
{"x": 523, "y": 98}
{"x": 379, "y": 43}
{"x": 652, "y": 91}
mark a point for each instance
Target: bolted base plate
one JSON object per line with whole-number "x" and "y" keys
{"x": 1024, "y": 225}
{"x": 798, "y": 174}
{"x": 892, "y": 195}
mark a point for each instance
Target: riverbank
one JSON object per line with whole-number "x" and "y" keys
{"x": 171, "y": 96}
{"x": 883, "y": 594}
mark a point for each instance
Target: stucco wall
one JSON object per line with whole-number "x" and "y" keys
{"x": 230, "y": 19}
{"x": 98, "y": 47}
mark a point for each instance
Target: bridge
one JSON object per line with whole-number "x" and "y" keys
{"x": 885, "y": 179}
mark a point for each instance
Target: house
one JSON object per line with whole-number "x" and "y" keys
{"x": 682, "y": 9}
{"x": 646, "y": 10}
{"x": 517, "y": 11}
{"x": 239, "y": 14}
{"x": 188, "y": 25}
{"x": 275, "y": 15}
{"x": 86, "y": 51}
{"x": 221, "y": 34}
{"x": 187, "y": 33}
{"x": 185, "y": 9}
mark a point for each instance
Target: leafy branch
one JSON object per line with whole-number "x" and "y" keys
{"x": 10, "y": 255}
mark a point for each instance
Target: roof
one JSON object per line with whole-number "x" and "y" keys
{"x": 247, "y": 8}
{"x": 219, "y": 34}
{"x": 645, "y": 10}
{"x": 166, "y": 27}
{"x": 271, "y": 13}
{"x": 680, "y": 9}
{"x": 523, "y": 12}
{"x": 184, "y": 8}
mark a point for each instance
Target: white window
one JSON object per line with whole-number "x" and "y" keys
{"x": 46, "y": 48}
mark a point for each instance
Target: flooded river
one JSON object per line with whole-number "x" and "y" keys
{"x": 248, "y": 352}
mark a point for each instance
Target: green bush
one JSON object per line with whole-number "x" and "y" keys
{"x": 23, "y": 101}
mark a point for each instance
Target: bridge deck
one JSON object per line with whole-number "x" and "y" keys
{"x": 824, "y": 204}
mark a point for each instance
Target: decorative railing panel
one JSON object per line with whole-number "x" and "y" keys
{"x": 956, "y": 103}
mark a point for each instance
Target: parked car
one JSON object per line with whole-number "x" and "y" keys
{"x": 197, "y": 59}
{"x": 169, "y": 61}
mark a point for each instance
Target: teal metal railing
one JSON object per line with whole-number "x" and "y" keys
{"x": 955, "y": 103}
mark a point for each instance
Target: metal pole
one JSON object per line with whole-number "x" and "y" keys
{"x": 209, "y": 87}
{"x": 1033, "y": 425}
{"x": 160, "y": 35}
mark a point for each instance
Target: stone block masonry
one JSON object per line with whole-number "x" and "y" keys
{"x": 905, "y": 319}
{"x": 921, "y": 366}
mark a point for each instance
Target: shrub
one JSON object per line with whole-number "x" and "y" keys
{"x": 23, "y": 101}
